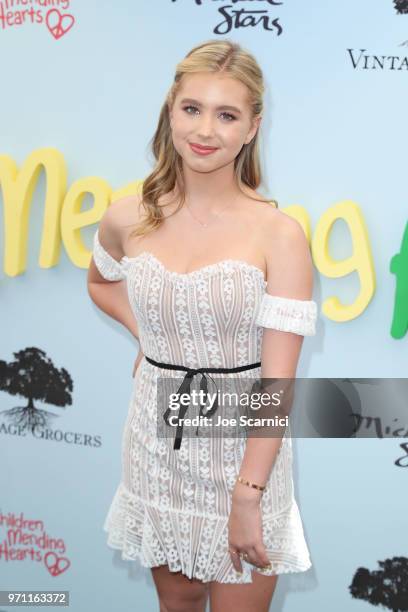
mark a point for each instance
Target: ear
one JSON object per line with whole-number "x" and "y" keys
{"x": 253, "y": 130}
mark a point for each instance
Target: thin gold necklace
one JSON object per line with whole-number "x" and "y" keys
{"x": 217, "y": 215}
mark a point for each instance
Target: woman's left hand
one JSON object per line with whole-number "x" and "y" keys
{"x": 245, "y": 528}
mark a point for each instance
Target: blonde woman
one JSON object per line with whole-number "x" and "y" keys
{"x": 206, "y": 274}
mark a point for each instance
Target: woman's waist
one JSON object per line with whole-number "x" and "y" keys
{"x": 205, "y": 366}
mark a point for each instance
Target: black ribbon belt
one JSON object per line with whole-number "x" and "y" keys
{"x": 185, "y": 388}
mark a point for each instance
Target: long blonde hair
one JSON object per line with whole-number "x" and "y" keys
{"x": 213, "y": 56}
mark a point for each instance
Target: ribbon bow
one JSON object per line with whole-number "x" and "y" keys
{"x": 185, "y": 388}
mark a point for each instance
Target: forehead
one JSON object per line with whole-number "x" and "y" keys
{"x": 213, "y": 89}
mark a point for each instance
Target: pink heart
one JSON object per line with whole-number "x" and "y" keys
{"x": 55, "y": 22}
{"x": 55, "y": 564}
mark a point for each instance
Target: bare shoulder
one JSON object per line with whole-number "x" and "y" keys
{"x": 271, "y": 223}
{"x": 287, "y": 254}
{"x": 255, "y": 209}
{"x": 281, "y": 228}
{"x": 127, "y": 210}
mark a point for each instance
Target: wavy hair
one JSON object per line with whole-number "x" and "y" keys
{"x": 214, "y": 56}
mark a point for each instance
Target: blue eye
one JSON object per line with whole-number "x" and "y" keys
{"x": 187, "y": 107}
{"x": 231, "y": 117}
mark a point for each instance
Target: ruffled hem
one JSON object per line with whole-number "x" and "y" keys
{"x": 198, "y": 545}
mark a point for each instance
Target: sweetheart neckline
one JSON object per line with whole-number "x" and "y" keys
{"x": 198, "y": 271}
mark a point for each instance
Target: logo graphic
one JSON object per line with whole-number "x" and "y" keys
{"x": 32, "y": 375}
{"x": 56, "y": 565}
{"x": 27, "y": 539}
{"x": 246, "y": 16}
{"x": 366, "y": 61}
{"x": 57, "y": 23}
{"x": 386, "y": 587}
{"x": 401, "y": 6}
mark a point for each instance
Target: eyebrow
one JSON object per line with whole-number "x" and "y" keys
{"x": 223, "y": 106}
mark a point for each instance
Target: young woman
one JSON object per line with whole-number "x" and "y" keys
{"x": 216, "y": 277}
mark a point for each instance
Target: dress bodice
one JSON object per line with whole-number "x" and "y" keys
{"x": 211, "y": 317}
{"x": 173, "y": 503}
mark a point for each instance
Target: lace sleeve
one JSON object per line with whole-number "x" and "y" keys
{"x": 287, "y": 314}
{"x": 110, "y": 268}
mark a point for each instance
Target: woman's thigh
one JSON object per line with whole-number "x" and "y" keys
{"x": 178, "y": 592}
{"x": 255, "y": 597}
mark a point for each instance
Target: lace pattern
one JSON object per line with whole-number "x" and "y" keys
{"x": 198, "y": 545}
{"x": 172, "y": 507}
{"x": 109, "y": 268}
{"x": 288, "y": 314}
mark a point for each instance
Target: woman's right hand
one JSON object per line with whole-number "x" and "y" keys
{"x": 245, "y": 529}
{"x": 138, "y": 360}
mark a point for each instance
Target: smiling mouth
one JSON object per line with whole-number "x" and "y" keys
{"x": 202, "y": 149}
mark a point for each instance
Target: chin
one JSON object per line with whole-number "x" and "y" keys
{"x": 199, "y": 168}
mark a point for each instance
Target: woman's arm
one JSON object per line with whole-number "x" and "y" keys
{"x": 106, "y": 281}
{"x": 112, "y": 298}
{"x": 289, "y": 275}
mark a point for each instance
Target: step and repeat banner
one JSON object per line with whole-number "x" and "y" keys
{"x": 82, "y": 86}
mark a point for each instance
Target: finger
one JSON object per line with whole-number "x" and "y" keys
{"x": 261, "y": 556}
{"x": 236, "y": 561}
{"x": 250, "y": 556}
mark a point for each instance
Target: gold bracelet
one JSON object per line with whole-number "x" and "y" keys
{"x": 250, "y": 484}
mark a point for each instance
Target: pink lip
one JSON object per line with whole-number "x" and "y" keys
{"x": 202, "y": 150}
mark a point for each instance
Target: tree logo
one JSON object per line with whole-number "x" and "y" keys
{"x": 401, "y": 6}
{"x": 33, "y": 376}
{"x": 387, "y": 587}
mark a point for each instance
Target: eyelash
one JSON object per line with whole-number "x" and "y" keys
{"x": 229, "y": 114}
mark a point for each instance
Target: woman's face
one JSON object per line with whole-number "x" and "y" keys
{"x": 213, "y": 111}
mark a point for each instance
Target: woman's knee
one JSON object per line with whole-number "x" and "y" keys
{"x": 185, "y": 598}
{"x": 178, "y": 593}
{"x": 193, "y": 600}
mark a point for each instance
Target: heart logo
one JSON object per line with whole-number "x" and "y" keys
{"x": 59, "y": 24}
{"x": 55, "y": 565}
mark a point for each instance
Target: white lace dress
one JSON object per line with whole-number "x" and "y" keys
{"x": 172, "y": 506}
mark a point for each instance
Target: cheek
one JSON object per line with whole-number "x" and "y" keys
{"x": 234, "y": 137}
{"x": 180, "y": 129}
{"x": 179, "y": 136}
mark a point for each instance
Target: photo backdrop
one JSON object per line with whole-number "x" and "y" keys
{"x": 82, "y": 87}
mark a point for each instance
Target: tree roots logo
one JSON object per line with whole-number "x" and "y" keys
{"x": 33, "y": 375}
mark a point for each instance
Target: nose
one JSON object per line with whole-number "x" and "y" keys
{"x": 206, "y": 127}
